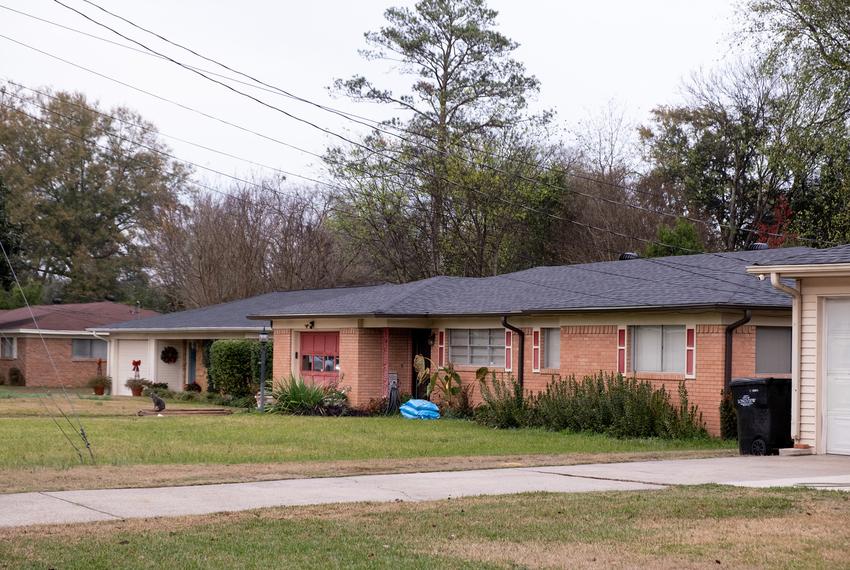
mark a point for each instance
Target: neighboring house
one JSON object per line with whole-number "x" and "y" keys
{"x": 33, "y": 342}
{"x": 700, "y": 319}
{"x": 189, "y": 332}
{"x": 820, "y": 413}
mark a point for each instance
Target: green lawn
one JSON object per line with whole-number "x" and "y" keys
{"x": 255, "y": 438}
{"x": 685, "y": 527}
{"x": 178, "y": 450}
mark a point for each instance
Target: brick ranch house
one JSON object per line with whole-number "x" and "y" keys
{"x": 818, "y": 283}
{"x": 63, "y": 336}
{"x": 188, "y": 332}
{"x": 700, "y": 319}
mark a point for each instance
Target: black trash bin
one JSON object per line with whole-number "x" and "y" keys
{"x": 763, "y": 406}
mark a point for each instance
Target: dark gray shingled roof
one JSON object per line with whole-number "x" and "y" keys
{"x": 705, "y": 280}
{"x": 231, "y": 315}
{"x": 838, "y": 254}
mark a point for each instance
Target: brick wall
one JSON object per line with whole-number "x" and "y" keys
{"x": 361, "y": 363}
{"x": 281, "y": 354}
{"x": 401, "y": 358}
{"x": 37, "y": 366}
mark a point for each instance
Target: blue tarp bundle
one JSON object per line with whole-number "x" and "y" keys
{"x": 420, "y": 410}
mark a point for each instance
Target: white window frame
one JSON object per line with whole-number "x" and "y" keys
{"x": 635, "y": 335}
{"x": 14, "y": 344}
{"x": 493, "y": 349}
{"x": 545, "y": 332}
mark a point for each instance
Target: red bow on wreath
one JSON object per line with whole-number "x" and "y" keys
{"x": 136, "y": 364}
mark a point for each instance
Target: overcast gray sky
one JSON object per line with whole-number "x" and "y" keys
{"x": 586, "y": 53}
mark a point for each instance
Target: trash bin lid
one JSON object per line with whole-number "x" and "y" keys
{"x": 757, "y": 381}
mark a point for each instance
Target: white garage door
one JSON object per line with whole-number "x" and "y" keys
{"x": 128, "y": 351}
{"x": 837, "y": 394}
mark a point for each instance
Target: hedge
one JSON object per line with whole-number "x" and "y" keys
{"x": 235, "y": 366}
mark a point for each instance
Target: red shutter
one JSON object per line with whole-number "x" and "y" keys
{"x": 535, "y": 350}
{"x": 509, "y": 353}
{"x": 621, "y": 350}
{"x": 690, "y": 352}
{"x": 441, "y": 348}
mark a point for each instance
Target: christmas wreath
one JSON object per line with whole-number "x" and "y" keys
{"x": 168, "y": 355}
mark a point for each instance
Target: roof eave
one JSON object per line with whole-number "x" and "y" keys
{"x": 808, "y": 270}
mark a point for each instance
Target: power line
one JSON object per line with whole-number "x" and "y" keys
{"x": 82, "y": 431}
{"x": 707, "y": 224}
{"x": 590, "y": 227}
{"x": 738, "y": 286}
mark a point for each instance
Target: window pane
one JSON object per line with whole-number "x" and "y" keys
{"x": 7, "y": 347}
{"x": 80, "y": 348}
{"x": 773, "y": 350}
{"x": 481, "y": 356}
{"x": 306, "y": 362}
{"x": 479, "y": 337}
{"x": 99, "y": 349}
{"x": 647, "y": 348}
{"x": 329, "y": 364}
{"x": 459, "y": 337}
{"x": 318, "y": 363}
{"x": 459, "y": 355}
{"x": 497, "y": 339}
{"x": 551, "y": 348}
{"x": 673, "y": 351}
{"x": 497, "y": 357}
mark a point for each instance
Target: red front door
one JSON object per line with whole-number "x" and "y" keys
{"x": 319, "y": 356}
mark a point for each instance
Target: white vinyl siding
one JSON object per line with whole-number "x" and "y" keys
{"x": 773, "y": 350}
{"x": 658, "y": 348}
{"x": 8, "y": 347}
{"x": 551, "y": 348}
{"x": 88, "y": 348}
{"x": 477, "y": 347}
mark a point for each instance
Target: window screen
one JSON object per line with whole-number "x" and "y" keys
{"x": 88, "y": 348}
{"x": 551, "y": 348}
{"x": 773, "y": 350}
{"x": 478, "y": 347}
{"x": 659, "y": 348}
{"x": 7, "y": 347}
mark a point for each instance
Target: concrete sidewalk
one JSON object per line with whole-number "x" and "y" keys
{"x": 63, "y": 507}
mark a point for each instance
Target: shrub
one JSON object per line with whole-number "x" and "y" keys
{"x": 294, "y": 396}
{"x": 230, "y": 362}
{"x": 728, "y": 416}
{"x": 188, "y": 396}
{"x": 99, "y": 382}
{"x": 193, "y": 387}
{"x": 454, "y": 399}
{"x": 159, "y": 385}
{"x": 163, "y": 393}
{"x": 137, "y": 383}
{"x": 2, "y": 379}
{"x": 505, "y": 404}
{"x": 378, "y": 406}
{"x": 602, "y": 403}
{"x": 16, "y": 377}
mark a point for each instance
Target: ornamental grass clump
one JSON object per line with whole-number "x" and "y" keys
{"x": 602, "y": 403}
{"x": 296, "y": 397}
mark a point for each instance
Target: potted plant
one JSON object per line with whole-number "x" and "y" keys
{"x": 136, "y": 385}
{"x": 99, "y": 384}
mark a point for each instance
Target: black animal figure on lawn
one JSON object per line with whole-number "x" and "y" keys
{"x": 158, "y": 403}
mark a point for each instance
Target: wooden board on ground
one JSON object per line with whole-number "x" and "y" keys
{"x": 188, "y": 412}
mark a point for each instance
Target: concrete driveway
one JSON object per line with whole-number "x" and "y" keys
{"x": 117, "y": 504}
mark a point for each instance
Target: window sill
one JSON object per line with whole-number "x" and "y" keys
{"x": 659, "y": 375}
{"x": 78, "y": 359}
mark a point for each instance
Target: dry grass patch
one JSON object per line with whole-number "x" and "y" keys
{"x": 684, "y": 527}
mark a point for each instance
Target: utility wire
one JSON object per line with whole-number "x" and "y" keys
{"x": 82, "y": 431}
{"x": 589, "y": 227}
{"x": 707, "y": 224}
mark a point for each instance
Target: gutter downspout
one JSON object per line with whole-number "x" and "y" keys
{"x": 796, "y": 344}
{"x": 727, "y": 352}
{"x": 521, "y": 354}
